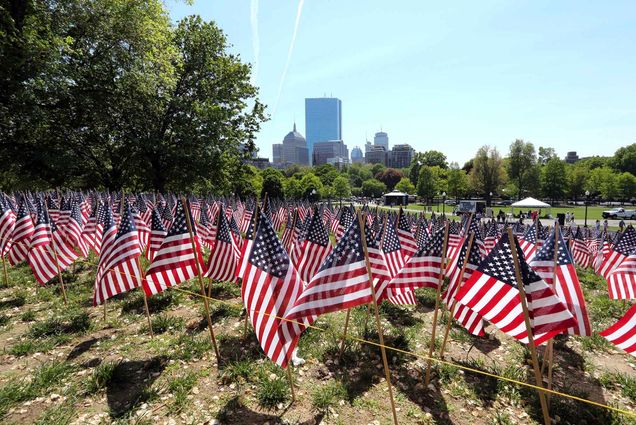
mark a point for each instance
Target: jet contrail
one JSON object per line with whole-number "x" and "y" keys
{"x": 256, "y": 42}
{"x": 289, "y": 54}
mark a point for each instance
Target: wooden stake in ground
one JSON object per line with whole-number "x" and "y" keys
{"x": 442, "y": 272}
{"x": 186, "y": 209}
{"x": 459, "y": 287}
{"x": 533, "y": 351}
{"x": 387, "y": 373}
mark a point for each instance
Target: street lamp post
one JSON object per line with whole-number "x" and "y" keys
{"x": 587, "y": 197}
{"x": 444, "y": 204}
{"x": 490, "y": 199}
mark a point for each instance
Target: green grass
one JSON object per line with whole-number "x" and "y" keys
{"x": 595, "y": 342}
{"x": 627, "y": 384}
{"x": 101, "y": 377}
{"x": 235, "y": 372}
{"x": 162, "y": 323}
{"x": 270, "y": 392}
{"x": 189, "y": 347}
{"x": 328, "y": 395}
{"x": 74, "y": 323}
{"x": 63, "y": 413}
{"x": 28, "y": 316}
{"x": 180, "y": 387}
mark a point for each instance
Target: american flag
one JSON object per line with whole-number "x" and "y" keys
{"x": 407, "y": 240}
{"x": 622, "y": 281}
{"x": 468, "y": 318}
{"x": 307, "y": 255}
{"x": 291, "y": 232}
{"x": 245, "y": 220}
{"x": 377, "y": 262}
{"x": 176, "y": 261}
{"x": 528, "y": 243}
{"x": 89, "y": 231}
{"x": 602, "y": 251}
{"x": 246, "y": 248}
{"x": 623, "y": 333}
{"x": 270, "y": 287}
{"x": 7, "y": 223}
{"x": 392, "y": 249}
{"x": 566, "y": 285}
{"x": 616, "y": 254}
{"x": 492, "y": 292}
{"x": 74, "y": 229}
{"x": 491, "y": 237}
{"x": 203, "y": 230}
{"x": 157, "y": 235}
{"x": 224, "y": 256}
{"x": 21, "y": 235}
{"x": 424, "y": 269}
{"x": 118, "y": 267}
{"x": 235, "y": 232}
{"x": 166, "y": 216}
{"x": 143, "y": 230}
{"x": 580, "y": 250}
{"x": 342, "y": 281}
{"x": 454, "y": 244}
{"x": 343, "y": 222}
{"x": 421, "y": 235}
{"x": 53, "y": 208}
{"x": 48, "y": 252}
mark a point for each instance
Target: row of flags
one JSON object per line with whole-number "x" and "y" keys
{"x": 288, "y": 282}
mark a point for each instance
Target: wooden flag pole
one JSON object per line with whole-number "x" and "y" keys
{"x": 442, "y": 272}
{"x": 254, "y": 224}
{"x": 550, "y": 347}
{"x": 387, "y": 373}
{"x": 459, "y": 286}
{"x": 533, "y": 351}
{"x": 186, "y": 210}
{"x": 291, "y": 381}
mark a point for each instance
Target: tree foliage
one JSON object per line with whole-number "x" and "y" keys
{"x": 405, "y": 185}
{"x": 341, "y": 187}
{"x": 390, "y": 177}
{"x": 625, "y": 159}
{"x": 373, "y": 188}
{"x": 487, "y": 175}
{"x": 554, "y": 179}
{"x": 521, "y": 161}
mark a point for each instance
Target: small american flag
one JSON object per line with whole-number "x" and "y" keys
{"x": 407, "y": 240}
{"x": 224, "y": 256}
{"x": 623, "y": 333}
{"x": 21, "y": 235}
{"x": 492, "y": 292}
{"x": 617, "y": 254}
{"x": 622, "y": 281}
{"x": 7, "y": 224}
{"x": 157, "y": 234}
{"x": 176, "y": 261}
{"x": 528, "y": 243}
{"x": 580, "y": 250}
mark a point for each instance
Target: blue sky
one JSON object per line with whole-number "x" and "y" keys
{"x": 450, "y": 76}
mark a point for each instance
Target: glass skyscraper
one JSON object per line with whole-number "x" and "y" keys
{"x": 323, "y": 121}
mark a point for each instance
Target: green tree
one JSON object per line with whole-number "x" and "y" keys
{"x": 521, "y": 160}
{"x": 377, "y": 168}
{"x": 428, "y": 183}
{"x": 626, "y": 183}
{"x": 311, "y": 187}
{"x": 577, "y": 175}
{"x": 390, "y": 177}
{"x": 625, "y": 159}
{"x": 341, "y": 187}
{"x": 272, "y": 183}
{"x": 457, "y": 183}
{"x": 545, "y": 154}
{"x": 292, "y": 188}
{"x": 327, "y": 173}
{"x": 487, "y": 175}
{"x": 596, "y": 179}
{"x": 554, "y": 179}
{"x": 434, "y": 158}
{"x": 373, "y": 188}
{"x": 405, "y": 185}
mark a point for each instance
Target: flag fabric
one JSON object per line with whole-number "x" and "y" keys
{"x": 566, "y": 283}
{"x": 616, "y": 254}
{"x": 176, "y": 260}
{"x": 342, "y": 281}
{"x": 528, "y": 243}
{"x": 49, "y": 252}
{"x": 392, "y": 249}
{"x": 7, "y": 224}
{"x": 343, "y": 222}
{"x": 21, "y": 235}
{"x": 270, "y": 287}
{"x": 74, "y": 229}
{"x": 246, "y": 248}
{"x": 622, "y": 281}
{"x": 491, "y": 237}
{"x": 424, "y": 269}
{"x": 408, "y": 243}
{"x": 492, "y": 292}
{"x": 623, "y": 333}
{"x": 118, "y": 267}
{"x": 290, "y": 234}
{"x": 308, "y": 254}
{"x": 377, "y": 262}
{"x": 580, "y": 250}
{"x": 468, "y": 318}
{"x": 157, "y": 234}
{"x": 224, "y": 255}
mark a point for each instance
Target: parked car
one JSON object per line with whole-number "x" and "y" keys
{"x": 505, "y": 202}
{"x": 620, "y": 213}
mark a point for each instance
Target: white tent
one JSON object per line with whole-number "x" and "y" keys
{"x": 530, "y": 203}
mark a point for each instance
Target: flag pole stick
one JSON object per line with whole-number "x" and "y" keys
{"x": 533, "y": 351}
{"x": 291, "y": 381}
{"x": 442, "y": 272}
{"x": 254, "y": 224}
{"x": 186, "y": 210}
{"x": 6, "y": 276}
{"x": 459, "y": 287}
{"x": 550, "y": 347}
{"x": 140, "y": 278}
{"x": 387, "y": 373}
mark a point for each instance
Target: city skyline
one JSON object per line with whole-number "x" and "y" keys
{"x": 450, "y": 77}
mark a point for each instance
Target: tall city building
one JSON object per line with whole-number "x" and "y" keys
{"x": 293, "y": 150}
{"x": 330, "y": 152}
{"x": 277, "y": 153}
{"x": 356, "y": 155}
{"x": 323, "y": 121}
{"x": 571, "y": 157}
{"x": 376, "y": 155}
{"x": 400, "y": 156}
{"x": 381, "y": 139}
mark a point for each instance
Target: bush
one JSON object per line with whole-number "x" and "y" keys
{"x": 327, "y": 396}
{"x": 271, "y": 392}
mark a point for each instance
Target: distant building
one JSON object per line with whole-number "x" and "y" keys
{"x": 357, "y": 157}
{"x": 323, "y": 121}
{"x": 260, "y": 163}
{"x": 400, "y": 156}
{"x": 571, "y": 157}
{"x": 376, "y": 155}
{"x": 381, "y": 139}
{"x": 334, "y": 150}
{"x": 277, "y": 153}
